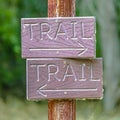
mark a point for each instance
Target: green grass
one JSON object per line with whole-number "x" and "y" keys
{"x": 93, "y": 110}
{"x": 16, "y": 109}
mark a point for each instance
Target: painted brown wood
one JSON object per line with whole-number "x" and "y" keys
{"x": 57, "y": 8}
{"x": 52, "y": 78}
{"x": 61, "y": 109}
{"x": 58, "y": 37}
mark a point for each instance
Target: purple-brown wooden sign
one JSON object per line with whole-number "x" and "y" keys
{"x": 58, "y": 37}
{"x": 49, "y": 78}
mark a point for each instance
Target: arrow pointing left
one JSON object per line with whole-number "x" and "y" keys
{"x": 42, "y": 91}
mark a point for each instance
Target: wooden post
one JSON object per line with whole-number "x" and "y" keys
{"x": 61, "y": 109}
{"x": 61, "y": 8}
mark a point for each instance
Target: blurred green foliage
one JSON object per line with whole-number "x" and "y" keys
{"x": 117, "y": 6}
{"x": 10, "y": 62}
{"x": 12, "y": 66}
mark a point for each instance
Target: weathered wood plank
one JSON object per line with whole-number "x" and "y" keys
{"x": 58, "y": 37}
{"x": 62, "y": 109}
{"x": 49, "y": 78}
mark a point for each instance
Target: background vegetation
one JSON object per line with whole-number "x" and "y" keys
{"x": 12, "y": 66}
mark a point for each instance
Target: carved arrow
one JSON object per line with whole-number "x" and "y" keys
{"x": 81, "y": 49}
{"x": 43, "y": 91}
{"x": 51, "y": 38}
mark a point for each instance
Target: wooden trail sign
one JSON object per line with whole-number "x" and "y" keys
{"x": 67, "y": 37}
{"x": 52, "y": 78}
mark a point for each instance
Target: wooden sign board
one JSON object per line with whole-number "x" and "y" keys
{"x": 69, "y": 37}
{"x": 49, "y": 78}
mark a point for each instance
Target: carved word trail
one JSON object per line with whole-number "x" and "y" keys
{"x": 70, "y": 32}
{"x": 68, "y": 72}
{"x": 58, "y": 37}
{"x": 64, "y": 78}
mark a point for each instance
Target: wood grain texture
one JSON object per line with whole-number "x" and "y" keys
{"x": 62, "y": 109}
{"x": 56, "y": 8}
{"x": 58, "y": 37}
{"x": 49, "y": 78}
{"x": 61, "y": 8}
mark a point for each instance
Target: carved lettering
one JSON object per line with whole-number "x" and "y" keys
{"x": 49, "y": 78}
{"x": 54, "y": 70}
{"x": 92, "y": 78}
{"x": 85, "y": 28}
{"x": 60, "y": 31}
{"x": 45, "y": 28}
{"x": 60, "y": 37}
{"x": 83, "y": 72}
{"x": 74, "y": 37}
{"x": 53, "y": 74}
{"x": 38, "y": 70}
{"x": 30, "y": 29}
{"x": 72, "y": 74}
